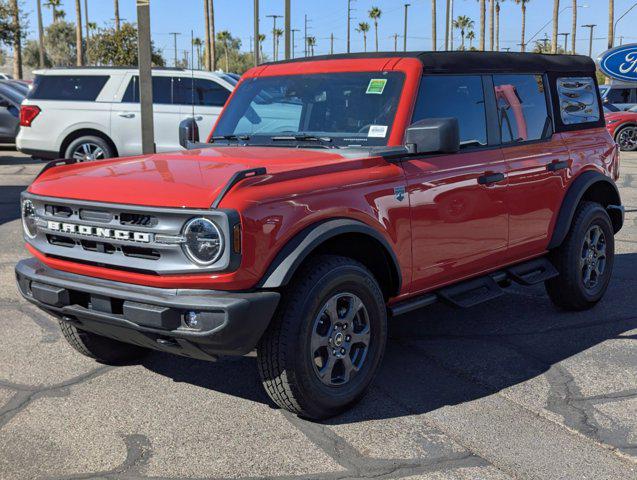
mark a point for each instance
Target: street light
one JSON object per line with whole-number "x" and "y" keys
{"x": 590, "y": 39}
{"x": 622, "y": 16}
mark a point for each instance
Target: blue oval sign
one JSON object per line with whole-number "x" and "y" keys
{"x": 620, "y": 62}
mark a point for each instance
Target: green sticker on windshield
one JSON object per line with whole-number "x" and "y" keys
{"x": 376, "y": 86}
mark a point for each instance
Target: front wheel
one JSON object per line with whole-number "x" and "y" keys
{"x": 327, "y": 339}
{"x": 88, "y": 149}
{"x": 627, "y": 139}
{"x": 584, "y": 260}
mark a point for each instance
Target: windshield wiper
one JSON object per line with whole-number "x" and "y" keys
{"x": 231, "y": 137}
{"x": 300, "y": 138}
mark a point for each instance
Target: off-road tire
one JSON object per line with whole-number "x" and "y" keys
{"x": 284, "y": 352}
{"x": 567, "y": 291}
{"x": 102, "y": 349}
{"x": 92, "y": 140}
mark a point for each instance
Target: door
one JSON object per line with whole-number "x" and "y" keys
{"x": 203, "y": 99}
{"x": 126, "y": 120}
{"x": 537, "y": 161}
{"x": 9, "y": 118}
{"x": 458, "y": 212}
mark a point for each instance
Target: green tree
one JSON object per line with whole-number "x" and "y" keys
{"x": 261, "y": 40}
{"x": 225, "y": 39}
{"x": 277, "y": 37}
{"x": 471, "y": 36}
{"x": 363, "y": 27}
{"x": 311, "y": 43}
{"x": 375, "y": 14}
{"x": 463, "y": 23}
{"x": 522, "y": 4}
{"x": 56, "y": 10}
{"x": 497, "y": 25}
{"x": 119, "y": 48}
{"x": 197, "y": 43}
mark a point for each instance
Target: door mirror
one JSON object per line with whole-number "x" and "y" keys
{"x": 433, "y": 135}
{"x": 188, "y": 132}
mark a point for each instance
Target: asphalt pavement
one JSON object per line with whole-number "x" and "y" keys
{"x": 512, "y": 389}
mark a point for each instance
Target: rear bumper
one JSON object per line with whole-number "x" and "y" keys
{"x": 229, "y": 323}
{"x": 43, "y": 154}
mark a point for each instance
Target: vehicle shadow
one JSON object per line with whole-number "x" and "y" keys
{"x": 442, "y": 356}
{"x": 10, "y": 202}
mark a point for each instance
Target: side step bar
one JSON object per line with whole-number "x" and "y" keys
{"x": 482, "y": 289}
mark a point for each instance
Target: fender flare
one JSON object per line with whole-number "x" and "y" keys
{"x": 573, "y": 196}
{"x": 292, "y": 255}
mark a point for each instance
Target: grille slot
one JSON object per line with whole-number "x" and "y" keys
{"x": 100, "y": 247}
{"x": 137, "y": 219}
{"x": 59, "y": 241}
{"x": 140, "y": 252}
{"x": 58, "y": 211}
{"x": 100, "y": 216}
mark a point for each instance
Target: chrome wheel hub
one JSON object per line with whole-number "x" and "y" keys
{"x": 340, "y": 339}
{"x": 87, "y": 152}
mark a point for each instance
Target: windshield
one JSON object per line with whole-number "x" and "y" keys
{"x": 334, "y": 109}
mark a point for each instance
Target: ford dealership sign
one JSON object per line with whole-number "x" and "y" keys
{"x": 620, "y": 63}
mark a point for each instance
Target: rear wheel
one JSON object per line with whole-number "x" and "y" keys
{"x": 584, "y": 260}
{"x": 102, "y": 349}
{"x": 88, "y": 149}
{"x": 327, "y": 339}
{"x": 626, "y": 138}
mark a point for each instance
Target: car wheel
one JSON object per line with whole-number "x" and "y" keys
{"x": 327, "y": 339}
{"x": 102, "y": 349}
{"x": 626, "y": 138}
{"x": 88, "y": 149}
{"x": 584, "y": 260}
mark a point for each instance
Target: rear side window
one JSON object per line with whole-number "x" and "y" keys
{"x": 458, "y": 96}
{"x": 578, "y": 100}
{"x": 620, "y": 95}
{"x": 67, "y": 87}
{"x": 522, "y": 107}
{"x": 205, "y": 93}
{"x": 164, "y": 90}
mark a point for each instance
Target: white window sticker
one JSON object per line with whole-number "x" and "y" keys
{"x": 377, "y": 131}
{"x": 376, "y": 86}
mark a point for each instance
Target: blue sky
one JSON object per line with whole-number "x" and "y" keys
{"x": 329, "y": 16}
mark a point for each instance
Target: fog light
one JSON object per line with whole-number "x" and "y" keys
{"x": 191, "y": 320}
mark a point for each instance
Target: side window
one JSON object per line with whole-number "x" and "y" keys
{"x": 619, "y": 95}
{"x": 522, "y": 109}
{"x": 578, "y": 100}
{"x": 67, "y": 87}
{"x": 206, "y": 93}
{"x": 163, "y": 90}
{"x": 458, "y": 96}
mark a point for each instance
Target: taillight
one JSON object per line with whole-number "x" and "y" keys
{"x": 28, "y": 114}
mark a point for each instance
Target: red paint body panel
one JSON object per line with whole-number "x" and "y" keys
{"x": 447, "y": 228}
{"x": 616, "y": 120}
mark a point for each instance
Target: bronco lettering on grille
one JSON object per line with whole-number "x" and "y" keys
{"x": 100, "y": 232}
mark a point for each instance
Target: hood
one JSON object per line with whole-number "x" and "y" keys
{"x": 191, "y": 179}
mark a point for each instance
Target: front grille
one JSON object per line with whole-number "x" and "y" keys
{"x": 136, "y": 219}
{"x": 99, "y": 216}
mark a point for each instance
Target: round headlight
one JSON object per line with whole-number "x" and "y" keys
{"x": 203, "y": 241}
{"x": 29, "y": 219}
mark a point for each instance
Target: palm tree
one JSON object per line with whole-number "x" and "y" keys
{"x": 574, "y": 27}
{"x": 16, "y": 31}
{"x": 611, "y": 21}
{"x": 522, "y": 4}
{"x": 261, "y": 40}
{"x": 375, "y": 14}
{"x": 116, "y": 6}
{"x": 433, "y": 25}
{"x": 483, "y": 12}
{"x": 463, "y": 23}
{"x": 311, "y": 43}
{"x": 363, "y": 27}
{"x": 471, "y": 36}
{"x": 556, "y": 19}
{"x": 497, "y": 25}
{"x": 277, "y": 35}
{"x": 213, "y": 50}
{"x": 87, "y": 32}
{"x": 78, "y": 34}
{"x": 197, "y": 43}
{"x": 40, "y": 35}
{"x": 224, "y": 37}
{"x": 447, "y": 25}
{"x": 491, "y": 24}
{"x": 58, "y": 13}
{"x": 207, "y": 49}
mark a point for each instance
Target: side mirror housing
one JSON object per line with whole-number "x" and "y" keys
{"x": 433, "y": 135}
{"x": 188, "y": 133}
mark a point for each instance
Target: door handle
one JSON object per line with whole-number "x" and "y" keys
{"x": 489, "y": 178}
{"x": 557, "y": 165}
{"x": 126, "y": 115}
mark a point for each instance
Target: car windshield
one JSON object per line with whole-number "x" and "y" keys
{"x": 332, "y": 109}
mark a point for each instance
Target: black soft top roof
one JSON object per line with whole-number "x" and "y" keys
{"x": 482, "y": 62}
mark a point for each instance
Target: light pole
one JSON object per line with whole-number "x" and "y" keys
{"x": 550, "y": 21}
{"x": 145, "y": 76}
{"x": 293, "y": 31}
{"x": 274, "y": 17}
{"x": 256, "y": 33}
{"x": 622, "y": 16}
{"x": 174, "y": 34}
{"x": 565, "y": 35}
{"x": 407, "y": 5}
{"x": 349, "y": 21}
{"x": 287, "y": 29}
{"x": 590, "y": 38}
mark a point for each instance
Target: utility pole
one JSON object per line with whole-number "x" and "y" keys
{"x": 256, "y": 32}
{"x": 349, "y": 21}
{"x": 395, "y": 35}
{"x": 145, "y": 76}
{"x": 274, "y": 17}
{"x": 305, "y": 36}
{"x": 331, "y": 43}
{"x": 590, "y": 38}
{"x": 565, "y": 35}
{"x": 621, "y": 40}
{"x": 41, "y": 35}
{"x": 407, "y": 5}
{"x": 287, "y": 29}
{"x": 293, "y": 31}
{"x": 175, "y": 34}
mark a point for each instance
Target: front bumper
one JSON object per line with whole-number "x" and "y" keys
{"x": 229, "y": 323}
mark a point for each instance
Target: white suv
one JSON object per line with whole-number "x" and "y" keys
{"x": 94, "y": 113}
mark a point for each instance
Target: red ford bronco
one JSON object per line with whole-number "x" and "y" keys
{"x": 333, "y": 194}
